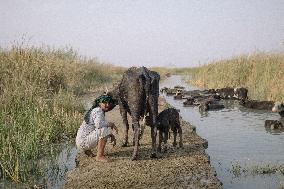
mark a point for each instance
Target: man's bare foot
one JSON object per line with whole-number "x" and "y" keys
{"x": 89, "y": 153}
{"x": 102, "y": 159}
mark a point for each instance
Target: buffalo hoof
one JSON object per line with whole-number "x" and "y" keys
{"x": 135, "y": 157}
{"x": 153, "y": 155}
{"x": 165, "y": 149}
{"x": 125, "y": 144}
{"x": 134, "y": 143}
{"x": 159, "y": 149}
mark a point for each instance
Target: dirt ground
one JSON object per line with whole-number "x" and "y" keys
{"x": 188, "y": 167}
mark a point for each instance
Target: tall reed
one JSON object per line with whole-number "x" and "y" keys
{"x": 39, "y": 89}
{"x": 262, "y": 73}
{"x": 163, "y": 72}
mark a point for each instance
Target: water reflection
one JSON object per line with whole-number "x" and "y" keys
{"x": 58, "y": 166}
{"x": 49, "y": 171}
{"x": 203, "y": 114}
{"x": 236, "y": 135}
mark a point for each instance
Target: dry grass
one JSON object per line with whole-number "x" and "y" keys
{"x": 261, "y": 73}
{"x": 162, "y": 71}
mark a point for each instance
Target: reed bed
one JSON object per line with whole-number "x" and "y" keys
{"x": 39, "y": 102}
{"x": 262, "y": 73}
{"x": 162, "y": 71}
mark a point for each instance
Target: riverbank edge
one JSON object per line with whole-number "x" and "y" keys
{"x": 177, "y": 168}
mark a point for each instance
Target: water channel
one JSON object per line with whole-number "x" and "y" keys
{"x": 237, "y": 137}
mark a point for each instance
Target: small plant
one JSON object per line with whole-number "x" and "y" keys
{"x": 267, "y": 169}
{"x": 236, "y": 169}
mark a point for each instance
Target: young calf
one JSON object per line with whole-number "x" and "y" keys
{"x": 168, "y": 119}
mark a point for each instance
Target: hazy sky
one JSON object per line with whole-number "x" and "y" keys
{"x": 152, "y": 33}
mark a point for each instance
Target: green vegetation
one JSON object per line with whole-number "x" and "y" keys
{"x": 237, "y": 170}
{"x": 261, "y": 73}
{"x": 268, "y": 169}
{"x": 39, "y": 102}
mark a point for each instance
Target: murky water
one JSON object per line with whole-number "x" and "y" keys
{"x": 54, "y": 167}
{"x": 58, "y": 167}
{"x": 236, "y": 136}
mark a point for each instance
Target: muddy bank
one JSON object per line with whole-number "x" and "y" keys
{"x": 177, "y": 168}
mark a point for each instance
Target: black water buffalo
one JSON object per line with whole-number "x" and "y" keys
{"x": 189, "y": 102}
{"x": 170, "y": 91}
{"x": 279, "y": 107}
{"x": 255, "y": 104}
{"x": 207, "y": 105}
{"x": 164, "y": 89}
{"x": 138, "y": 94}
{"x": 273, "y": 124}
{"x": 178, "y": 96}
{"x": 225, "y": 93}
{"x": 178, "y": 87}
{"x": 238, "y": 93}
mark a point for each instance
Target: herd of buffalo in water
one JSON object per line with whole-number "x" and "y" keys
{"x": 209, "y": 99}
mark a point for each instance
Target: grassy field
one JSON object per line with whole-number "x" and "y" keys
{"x": 261, "y": 73}
{"x": 39, "y": 92}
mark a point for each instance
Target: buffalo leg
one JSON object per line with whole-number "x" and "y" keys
{"x": 180, "y": 137}
{"x": 136, "y": 139}
{"x": 126, "y": 128}
{"x": 153, "y": 135}
{"x": 178, "y": 126}
{"x": 175, "y": 138}
{"x": 139, "y": 135}
{"x": 153, "y": 104}
{"x": 160, "y": 141}
{"x": 165, "y": 139}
